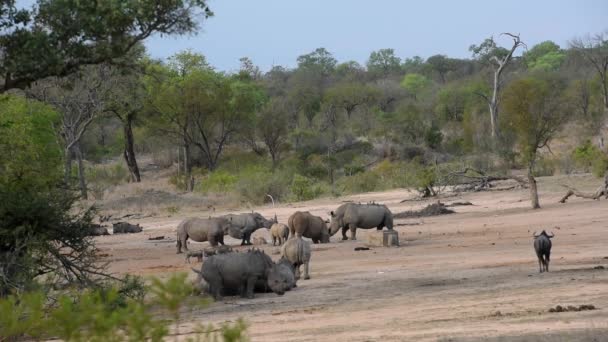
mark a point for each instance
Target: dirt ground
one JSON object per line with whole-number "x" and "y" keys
{"x": 472, "y": 275}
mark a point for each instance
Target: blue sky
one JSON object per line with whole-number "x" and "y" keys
{"x": 276, "y": 32}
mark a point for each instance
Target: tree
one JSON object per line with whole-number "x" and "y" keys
{"x": 349, "y": 96}
{"x": 500, "y": 58}
{"x": 441, "y": 65}
{"x": 383, "y": 63}
{"x": 414, "y": 84}
{"x": 595, "y": 51}
{"x": 126, "y": 104}
{"x": 350, "y": 71}
{"x": 320, "y": 60}
{"x": 80, "y": 98}
{"x": 272, "y": 127}
{"x": 58, "y": 37}
{"x": 535, "y": 111}
{"x": 249, "y": 71}
{"x": 40, "y": 233}
{"x": 545, "y": 56}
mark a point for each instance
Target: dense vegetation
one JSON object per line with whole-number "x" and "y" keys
{"x": 329, "y": 127}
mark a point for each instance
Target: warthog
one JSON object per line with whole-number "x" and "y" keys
{"x": 200, "y": 230}
{"x": 243, "y": 225}
{"x": 542, "y": 246}
{"x": 352, "y": 216}
{"x": 279, "y": 233}
{"x": 303, "y": 223}
{"x": 125, "y": 227}
{"x": 242, "y": 273}
{"x": 297, "y": 252}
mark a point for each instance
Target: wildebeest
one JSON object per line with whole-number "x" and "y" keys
{"x": 243, "y": 225}
{"x": 303, "y": 223}
{"x": 279, "y": 233}
{"x": 297, "y": 252}
{"x": 200, "y": 230}
{"x": 242, "y": 273}
{"x": 542, "y": 246}
{"x": 352, "y": 216}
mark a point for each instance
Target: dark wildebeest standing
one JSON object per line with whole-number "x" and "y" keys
{"x": 542, "y": 246}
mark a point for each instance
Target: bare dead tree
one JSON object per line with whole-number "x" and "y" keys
{"x": 595, "y": 51}
{"x": 80, "y": 98}
{"x": 499, "y": 65}
{"x": 602, "y": 190}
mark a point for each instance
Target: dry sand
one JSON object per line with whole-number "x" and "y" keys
{"x": 472, "y": 275}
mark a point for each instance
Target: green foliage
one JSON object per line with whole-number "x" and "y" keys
{"x": 29, "y": 152}
{"x": 218, "y": 181}
{"x": 256, "y": 182}
{"x": 71, "y": 33}
{"x": 303, "y": 188}
{"x": 320, "y": 61}
{"x": 433, "y": 136}
{"x": 545, "y": 56}
{"x": 92, "y": 315}
{"x": 383, "y": 62}
{"x": 545, "y": 166}
{"x": 589, "y": 157}
{"x": 415, "y": 83}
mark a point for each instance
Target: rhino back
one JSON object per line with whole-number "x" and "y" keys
{"x": 296, "y": 251}
{"x": 198, "y": 229}
{"x": 365, "y": 216}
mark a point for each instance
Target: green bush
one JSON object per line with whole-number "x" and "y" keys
{"x": 544, "y": 166}
{"x": 361, "y": 182}
{"x": 303, "y": 188}
{"x": 256, "y": 182}
{"x": 93, "y": 315}
{"x": 218, "y": 182}
{"x": 599, "y": 166}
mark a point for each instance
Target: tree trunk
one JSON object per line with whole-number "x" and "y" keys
{"x": 494, "y": 105}
{"x": 533, "y": 190}
{"x": 67, "y": 172}
{"x": 129, "y": 152}
{"x": 81, "y": 176}
{"x": 188, "y": 168}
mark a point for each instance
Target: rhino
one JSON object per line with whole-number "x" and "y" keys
{"x": 125, "y": 227}
{"x": 352, "y": 216}
{"x": 288, "y": 270}
{"x": 242, "y": 273}
{"x": 303, "y": 223}
{"x": 200, "y": 230}
{"x": 279, "y": 233}
{"x": 243, "y": 225}
{"x": 297, "y": 252}
{"x": 542, "y": 246}
{"x": 98, "y": 230}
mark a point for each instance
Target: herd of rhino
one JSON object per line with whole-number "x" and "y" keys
{"x": 228, "y": 272}
{"x": 225, "y": 272}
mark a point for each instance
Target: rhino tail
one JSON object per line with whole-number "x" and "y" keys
{"x": 300, "y": 250}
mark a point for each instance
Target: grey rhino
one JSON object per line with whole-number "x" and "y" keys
{"x": 542, "y": 247}
{"x": 98, "y": 230}
{"x": 243, "y": 225}
{"x": 239, "y": 273}
{"x": 303, "y": 223}
{"x": 297, "y": 252}
{"x": 125, "y": 227}
{"x": 200, "y": 230}
{"x": 279, "y": 233}
{"x": 352, "y": 216}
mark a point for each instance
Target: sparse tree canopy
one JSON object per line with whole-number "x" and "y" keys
{"x": 57, "y": 37}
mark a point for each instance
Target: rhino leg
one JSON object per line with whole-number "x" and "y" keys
{"x": 296, "y": 271}
{"x": 182, "y": 242}
{"x": 250, "y": 286}
{"x": 353, "y": 232}
{"x": 306, "y": 276}
{"x": 344, "y": 230}
{"x": 215, "y": 288}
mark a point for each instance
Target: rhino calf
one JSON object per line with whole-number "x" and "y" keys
{"x": 279, "y": 233}
{"x": 542, "y": 247}
{"x": 303, "y": 223}
{"x": 125, "y": 227}
{"x": 297, "y": 252}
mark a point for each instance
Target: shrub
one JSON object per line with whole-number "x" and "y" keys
{"x": 255, "y": 183}
{"x": 303, "y": 188}
{"x": 585, "y": 154}
{"x": 218, "y": 181}
{"x": 93, "y": 315}
{"x": 544, "y": 166}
